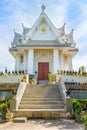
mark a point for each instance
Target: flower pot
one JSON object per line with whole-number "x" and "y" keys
{"x": 52, "y": 82}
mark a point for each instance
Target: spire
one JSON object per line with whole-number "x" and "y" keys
{"x": 64, "y": 25}
{"x": 14, "y": 31}
{"x": 62, "y": 29}
{"x": 22, "y": 25}
{"x": 72, "y": 32}
{"x": 43, "y": 7}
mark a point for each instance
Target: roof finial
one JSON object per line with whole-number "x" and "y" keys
{"x": 43, "y": 8}
{"x": 14, "y": 30}
{"x": 72, "y": 31}
{"x": 22, "y": 25}
{"x": 64, "y": 25}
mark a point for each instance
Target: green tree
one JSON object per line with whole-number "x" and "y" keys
{"x": 82, "y": 68}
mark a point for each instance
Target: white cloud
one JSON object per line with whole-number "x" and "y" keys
{"x": 81, "y": 38}
{"x": 58, "y": 12}
{"x": 81, "y": 29}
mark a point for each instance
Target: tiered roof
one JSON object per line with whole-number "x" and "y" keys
{"x": 61, "y": 39}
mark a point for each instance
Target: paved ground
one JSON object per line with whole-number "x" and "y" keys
{"x": 40, "y": 124}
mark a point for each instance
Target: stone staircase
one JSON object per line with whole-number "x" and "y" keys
{"x": 41, "y": 101}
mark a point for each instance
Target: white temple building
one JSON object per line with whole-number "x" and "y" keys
{"x": 43, "y": 48}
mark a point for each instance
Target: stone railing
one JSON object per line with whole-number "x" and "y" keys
{"x": 62, "y": 89}
{"x": 20, "y": 92}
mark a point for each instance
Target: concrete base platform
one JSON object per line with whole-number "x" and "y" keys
{"x": 20, "y": 119}
{"x": 41, "y": 114}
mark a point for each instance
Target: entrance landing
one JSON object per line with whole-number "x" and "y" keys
{"x": 43, "y": 82}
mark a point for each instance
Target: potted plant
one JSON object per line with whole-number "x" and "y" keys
{"x": 9, "y": 116}
{"x": 52, "y": 78}
{"x": 34, "y": 81}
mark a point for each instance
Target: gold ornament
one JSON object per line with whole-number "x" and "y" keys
{"x": 43, "y": 30}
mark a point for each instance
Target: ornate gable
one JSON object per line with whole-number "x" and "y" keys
{"x": 43, "y": 29}
{"x": 43, "y": 32}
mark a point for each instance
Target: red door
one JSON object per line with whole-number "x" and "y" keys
{"x": 43, "y": 69}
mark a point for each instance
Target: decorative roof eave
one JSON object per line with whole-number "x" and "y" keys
{"x": 23, "y": 47}
{"x": 73, "y": 51}
{"x": 13, "y": 49}
{"x": 43, "y": 45}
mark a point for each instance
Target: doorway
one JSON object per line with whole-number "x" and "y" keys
{"x": 43, "y": 70}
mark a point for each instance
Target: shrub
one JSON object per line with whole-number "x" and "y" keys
{"x": 85, "y": 122}
{"x": 52, "y": 77}
{"x": 4, "y": 106}
{"x": 77, "y": 109}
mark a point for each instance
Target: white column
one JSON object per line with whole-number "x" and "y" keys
{"x": 56, "y": 60}
{"x": 17, "y": 63}
{"x": 25, "y": 62}
{"x": 30, "y": 61}
{"x": 21, "y": 63}
{"x": 62, "y": 62}
{"x": 69, "y": 63}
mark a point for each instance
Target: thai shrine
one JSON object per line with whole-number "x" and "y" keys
{"x": 43, "y": 48}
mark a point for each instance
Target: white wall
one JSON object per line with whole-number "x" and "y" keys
{"x": 25, "y": 62}
{"x": 17, "y": 63}
{"x": 61, "y": 62}
{"x": 56, "y": 60}
{"x": 39, "y": 35}
{"x": 69, "y": 63}
{"x": 30, "y": 61}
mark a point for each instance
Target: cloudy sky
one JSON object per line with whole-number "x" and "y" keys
{"x": 15, "y": 12}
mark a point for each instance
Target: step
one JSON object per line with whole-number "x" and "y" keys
{"x": 45, "y": 88}
{"x": 20, "y": 119}
{"x": 42, "y": 85}
{"x": 41, "y": 95}
{"x": 56, "y": 110}
{"x": 41, "y": 113}
{"x": 46, "y": 106}
{"x": 42, "y": 91}
{"x": 41, "y": 102}
{"x": 41, "y": 98}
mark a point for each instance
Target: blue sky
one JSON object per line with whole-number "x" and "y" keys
{"x": 15, "y": 12}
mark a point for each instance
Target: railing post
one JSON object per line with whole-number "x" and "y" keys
{"x": 19, "y": 94}
{"x": 62, "y": 89}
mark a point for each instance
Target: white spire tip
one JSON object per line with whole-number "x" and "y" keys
{"x": 43, "y": 8}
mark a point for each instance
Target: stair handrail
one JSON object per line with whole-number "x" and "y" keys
{"x": 62, "y": 89}
{"x": 20, "y": 91}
